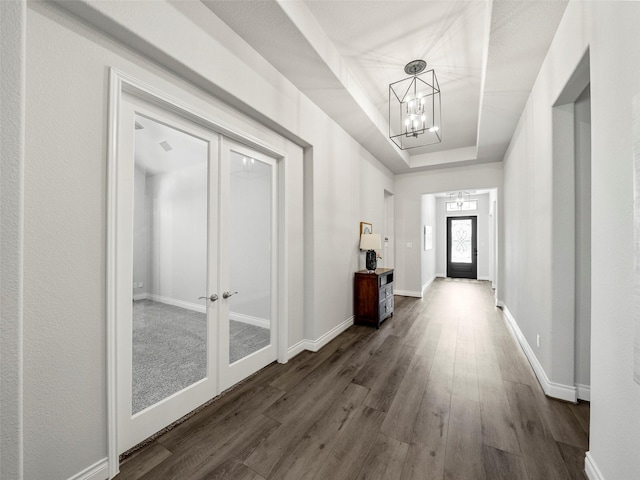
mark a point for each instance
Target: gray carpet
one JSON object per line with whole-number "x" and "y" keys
{"x": 169, "y": 349}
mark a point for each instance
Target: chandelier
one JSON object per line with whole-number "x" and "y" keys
{"x": 414, "y": 108}
{"x": 460, "y": 200}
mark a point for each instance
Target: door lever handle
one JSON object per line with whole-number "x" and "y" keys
{"x": 213, "y": 297}
{"x": 228, "y": 294}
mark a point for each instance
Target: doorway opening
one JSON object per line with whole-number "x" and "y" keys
{"x": 571, "y": 236}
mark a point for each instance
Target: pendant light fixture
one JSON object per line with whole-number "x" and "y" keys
{"x": 414, "y": 108}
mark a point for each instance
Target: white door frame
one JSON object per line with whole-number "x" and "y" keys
{"x": 119, "y": 83}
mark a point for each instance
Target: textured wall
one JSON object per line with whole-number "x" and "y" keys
{"x": 12, "y": 148}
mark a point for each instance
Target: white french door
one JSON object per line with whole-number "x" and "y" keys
{"x": 248, "y": 267}
{"x": 196, "y": 266}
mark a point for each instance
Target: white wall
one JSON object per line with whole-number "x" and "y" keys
{"x": 141, "y": 227}
{"x": 483, "y": 240}
{"x": 428, "y": 257}
{"x": 66, "y": 191}
{"x": 388, "y": 238}
{"x": 177, "y": 248}
{"x": 409, "y": 189}
{"x": 250, "y": 217}
{"x": 493, "y": 236}
{"x": 609, "y": 31}
{"x": 12, "y": 161}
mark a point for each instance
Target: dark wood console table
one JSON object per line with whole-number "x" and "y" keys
{"x": 373, "y": 296}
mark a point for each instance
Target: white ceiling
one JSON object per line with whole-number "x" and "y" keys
{"x": 344, "y": 53}
{"x": 185, "y": 151}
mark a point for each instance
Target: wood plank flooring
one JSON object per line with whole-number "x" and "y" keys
{"x": 441, "y": 391}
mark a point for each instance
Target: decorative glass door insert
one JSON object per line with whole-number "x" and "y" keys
{"x": 461, "y": 241}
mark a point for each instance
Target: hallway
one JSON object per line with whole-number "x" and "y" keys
{"x": 441, "y": 391}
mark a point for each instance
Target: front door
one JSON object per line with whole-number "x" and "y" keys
{"x": 462, "y": 248}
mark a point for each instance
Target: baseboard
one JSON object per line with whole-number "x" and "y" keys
{"x": 584, "y": 392}
{"x": 296, "y": 349}
{"x": 499, "y": 303}
{"x": 568, "y": 393}
{"x": 248, "y": 319}
{"x": 441, "y": 275}
{"x": 97, "y": 471}
{"x": 196, "y": 307}
{"x": 486, "y": 279}
{"x": 591, "y": 469}
{"x": 426, "y": 285}
{"x": 315, "y": 345}
{"x": 407, "y": 293}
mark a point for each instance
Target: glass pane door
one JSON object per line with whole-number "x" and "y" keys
{"x": 249, "y": 275}
{"x": 250, "y": 254}
{"x": 167, "y": 269}
{"x": 461, "y": 241}
{"x": 169, "y": 262}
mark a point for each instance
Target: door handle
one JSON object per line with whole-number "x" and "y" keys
{"x": 228, "y": 294}
{"x": 213, "y": 297}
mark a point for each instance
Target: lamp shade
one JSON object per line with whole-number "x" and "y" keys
{"x": 370, "y": 241}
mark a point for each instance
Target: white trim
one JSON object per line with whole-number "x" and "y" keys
{"x": 249, "y": 320}
{"x": 115, "y": 93}
{"x": 177, "y": 303}
{"x": 426, "y": 285}
{"x": 407, "y": 293}
{"x": 440, "y": 275}
{"x": 316, "y": 345}
{"x": 591, "y": 469}
{"x": 296, "y": 349}
{"x": 568, "y": 393}
{"x": 488, "y": 279}
{"x": 584, "y": 392}
{"x": 499, "y": 303}
{"x": 283, "y": 205}
{"x": 97, "y": 471}
{"x": 140, "y": 89}
{"x": 140, "y": 296}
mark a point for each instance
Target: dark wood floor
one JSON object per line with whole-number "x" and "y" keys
{"x": 441, "y": 391}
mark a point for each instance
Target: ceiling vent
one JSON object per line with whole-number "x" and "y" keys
{"x": 166, "y": 147}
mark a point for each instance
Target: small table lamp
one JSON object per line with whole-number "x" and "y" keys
{"x": 370, "y": 242}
